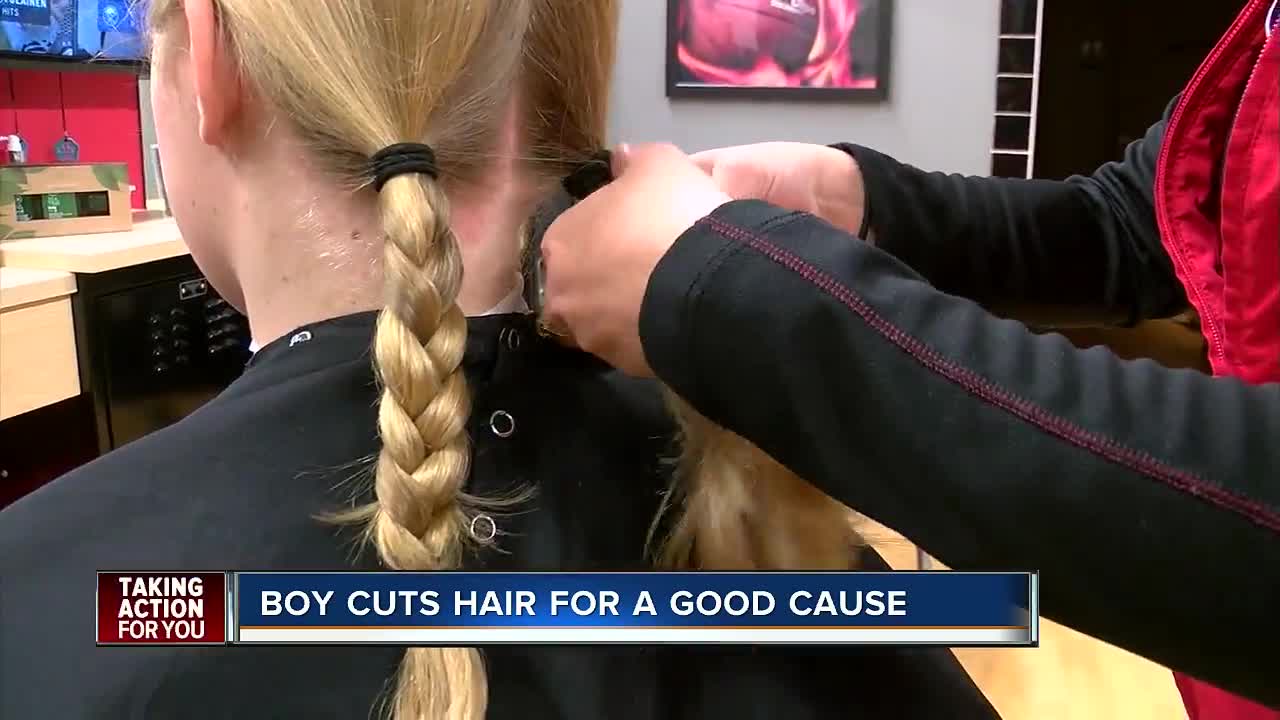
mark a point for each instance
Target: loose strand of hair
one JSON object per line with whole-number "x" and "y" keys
{"x": 733, "y": 507}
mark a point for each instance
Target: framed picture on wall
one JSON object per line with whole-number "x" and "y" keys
{"x": 803, "y": 49}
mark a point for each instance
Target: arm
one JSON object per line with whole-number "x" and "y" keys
{"x": 1018, "y": 245}
{"x": 1146, "y": 497}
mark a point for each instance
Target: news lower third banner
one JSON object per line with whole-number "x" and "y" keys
{"x": 489, "y": 608}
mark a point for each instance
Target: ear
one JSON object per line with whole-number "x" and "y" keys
{"x": 217, "y": 84}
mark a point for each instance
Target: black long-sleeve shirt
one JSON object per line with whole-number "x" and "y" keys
{"x": 1146, "y": 497}
{"x": 1088, "y": 247}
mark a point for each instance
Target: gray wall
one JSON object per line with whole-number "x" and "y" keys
{"x": 938, "y": 115}
{"x": 939, "y": 112}
{"x": 148, "y": 137}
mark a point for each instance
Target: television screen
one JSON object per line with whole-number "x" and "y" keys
{"x": 110, "y": 30}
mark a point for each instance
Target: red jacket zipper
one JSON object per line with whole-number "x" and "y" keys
{"x": 1210, "y": 321}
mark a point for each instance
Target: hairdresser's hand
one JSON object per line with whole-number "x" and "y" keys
{"x": 815, "y": 179}
{"x": 599, "y": 255}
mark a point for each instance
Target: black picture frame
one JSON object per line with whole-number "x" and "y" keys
{"x": 31, "y": 61}
{"x": 882, "y": 27}
{"x": 135, "y": 10}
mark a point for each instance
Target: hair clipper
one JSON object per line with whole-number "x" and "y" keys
{"x": 586, "y": 179}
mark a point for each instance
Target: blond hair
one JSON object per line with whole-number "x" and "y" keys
{"x": 355, "y": 76}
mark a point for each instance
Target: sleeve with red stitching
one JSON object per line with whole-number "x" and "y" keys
{"x": 1146, "y": 497}
{"x": 1086, "y": 248}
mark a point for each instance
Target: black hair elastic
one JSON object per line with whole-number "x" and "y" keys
{"x": 590, "y": 176}
{"x": 402, "y": 159}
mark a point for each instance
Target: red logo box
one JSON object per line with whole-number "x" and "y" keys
{"x": 161, "y": 608}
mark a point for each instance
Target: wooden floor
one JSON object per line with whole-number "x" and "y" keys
{"x": 1069, "y": 677}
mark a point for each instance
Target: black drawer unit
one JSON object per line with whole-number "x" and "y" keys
{"x": 156, "y": 342}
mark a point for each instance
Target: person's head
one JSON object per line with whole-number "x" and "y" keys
{"x": 267, "y": 115}
{"x": 268, "y": 112}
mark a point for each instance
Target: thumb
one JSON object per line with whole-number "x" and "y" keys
{"x": 706, "y": 160}
{"x": 620, "y": 159}
{"x": 653, "y": 155}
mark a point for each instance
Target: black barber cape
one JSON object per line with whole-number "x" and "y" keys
{"x": 237, "y": 484}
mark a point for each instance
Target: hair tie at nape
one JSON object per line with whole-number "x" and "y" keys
{"x": 402, "y": 159}
{"x": 590, "y": 176}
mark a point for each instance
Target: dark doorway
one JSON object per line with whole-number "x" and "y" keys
{"x": 1108, "y": 69}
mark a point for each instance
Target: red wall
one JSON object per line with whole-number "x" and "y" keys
{"x": 6, "y": 103}
{"x": 101, "y": 110}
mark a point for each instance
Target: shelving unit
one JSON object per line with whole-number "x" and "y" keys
{"x": 1013, "y": 139}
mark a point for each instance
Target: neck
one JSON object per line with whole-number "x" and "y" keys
{"x": 324, "y": 260}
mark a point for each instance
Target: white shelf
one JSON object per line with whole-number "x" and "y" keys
{"x": 1034, "y": 76}
{"x": 1035, "y": 87}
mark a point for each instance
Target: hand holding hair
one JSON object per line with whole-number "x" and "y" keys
{"x": 735, "y": 507}
{"x": 598, "y": 255}
{"x": 817, "y": 179}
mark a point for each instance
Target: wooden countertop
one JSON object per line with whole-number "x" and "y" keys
{"x": 38, "y": 354}
{"x": 152, "y": 238}
{"x": 22, "y": 286}
{"x": 38, "y": 364}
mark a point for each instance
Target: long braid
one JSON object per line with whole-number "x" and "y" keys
{"x": 420, "y": 519}
{"x": 417, "y": 350}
